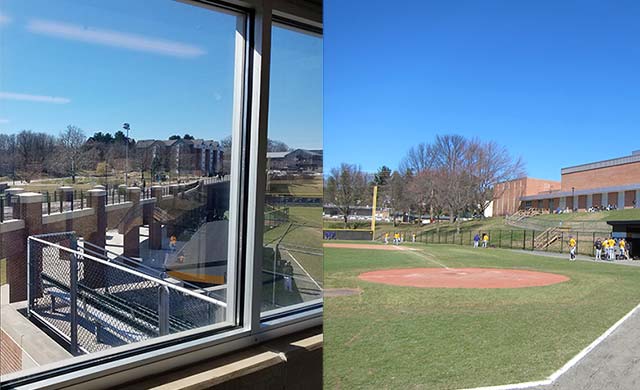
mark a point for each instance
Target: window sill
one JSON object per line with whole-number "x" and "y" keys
{"x": 292, "y": 361}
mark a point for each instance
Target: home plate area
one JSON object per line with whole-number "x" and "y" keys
{"x": 462, "y": 277}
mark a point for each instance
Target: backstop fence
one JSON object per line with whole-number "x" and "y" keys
{"x": 94, "y": 304}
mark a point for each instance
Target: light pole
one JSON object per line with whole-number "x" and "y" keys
{"x": 126, "y": 155}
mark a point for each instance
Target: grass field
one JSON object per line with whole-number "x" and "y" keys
{"x": 311, "y": 187}
{"x": 402, "y": 337}
{"x": 304, "y": 232}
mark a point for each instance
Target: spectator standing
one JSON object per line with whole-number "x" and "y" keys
{"x": 287, "y": 270}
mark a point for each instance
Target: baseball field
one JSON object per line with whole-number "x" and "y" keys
{"x": 379, "y": 334}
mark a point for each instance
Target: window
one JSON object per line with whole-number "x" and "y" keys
{"x": 128, "y": 155}
{"x": 292, "y": 266}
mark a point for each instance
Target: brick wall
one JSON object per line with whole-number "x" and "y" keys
{"x": 507, "y": 200}
{"x": 629, "y": 199}
{"x": 618, "y": 175}
{"x": 10, "y": 355}
{"x": 83, "y": 225}
{"x": 115, "y": 215}
{"x": 536, "y": 186}
{"x": 507, "y": 194}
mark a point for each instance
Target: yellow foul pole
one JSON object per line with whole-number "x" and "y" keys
{"x": 373, "y": 213}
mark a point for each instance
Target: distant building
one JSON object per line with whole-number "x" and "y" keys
{"x": 297, "y": 160}
{"x": 610, "y": 183}
{"x": 179, "y": 156}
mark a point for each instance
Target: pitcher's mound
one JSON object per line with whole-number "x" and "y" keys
{"x": 462, "y": 277}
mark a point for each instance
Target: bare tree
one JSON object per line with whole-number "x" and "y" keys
{"x": 345, "y": 188}
{"x": 71, "y": 142}
{"x": 33, "y": 151}
{"x": 458, "y": 175}
{"x": 8, "y": 156}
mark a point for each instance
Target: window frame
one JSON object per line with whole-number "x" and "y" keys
{"x": 244, "y": 325}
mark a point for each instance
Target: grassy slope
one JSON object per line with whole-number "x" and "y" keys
{"x": 306, "y": 231}
{"x": 402, "y": 337}
{"x": 628, "y": 214}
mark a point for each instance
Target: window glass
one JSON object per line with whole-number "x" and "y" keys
{"x": 292, "y": 268}
{"x": 117, "y": 160}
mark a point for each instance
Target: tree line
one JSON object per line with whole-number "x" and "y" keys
{"x": 451, "y": 176}
{"x": 28, "y": 155}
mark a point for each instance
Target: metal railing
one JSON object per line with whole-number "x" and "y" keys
{"x": 95, "y": 304}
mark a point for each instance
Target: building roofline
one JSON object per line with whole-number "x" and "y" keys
{"x": 602, "y": 164}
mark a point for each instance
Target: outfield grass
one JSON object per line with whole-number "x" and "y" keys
{"x": 401, "y": 337}
{"x": 311, "y": 187}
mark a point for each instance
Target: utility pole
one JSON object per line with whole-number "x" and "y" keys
{"x": 126, "y": 155}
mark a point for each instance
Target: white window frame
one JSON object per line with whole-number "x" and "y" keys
{"x": 243, "y": 326}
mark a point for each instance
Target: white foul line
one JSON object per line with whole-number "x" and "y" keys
{"x": 428, "y": 258}
{"x": 553, "y": 377}
{"x": 304, "y": 270}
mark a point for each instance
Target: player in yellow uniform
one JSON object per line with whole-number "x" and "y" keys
{"x": 605, "y": 246}
{"x": 485, "y": 240}
{"x": 386, "y": 238}
{"x": 612, "y": 248}
{"x": 623, "y": 252}
{"x": 572, "y": 248}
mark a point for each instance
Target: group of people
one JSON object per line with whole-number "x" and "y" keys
{"x": 612, "y": 248}
{"x": 484, "y": 238}
{"x": 595, "y": 209}
{"x": 398, "y": 238}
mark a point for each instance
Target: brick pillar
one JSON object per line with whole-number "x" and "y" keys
{"x": 132, "y": 225}
{"x": 155, "y": 228}
{"x": 589, "y": 201}
{"x": 29, "y": 210}
{"x": 95, "y": 274}
{"x": 637, "y": 199}
{"x": 12, "y": 197}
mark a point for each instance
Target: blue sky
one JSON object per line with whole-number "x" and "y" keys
{"x": 97, "y": 64}
{"x": 555, "y": 82}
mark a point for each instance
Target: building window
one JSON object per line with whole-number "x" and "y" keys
{"x": 292, "y": 265}
{"x": 134, "y": 216}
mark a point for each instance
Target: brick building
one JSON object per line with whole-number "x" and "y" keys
{"x": 614, "y": 182}
{"x": 181, "y": 156}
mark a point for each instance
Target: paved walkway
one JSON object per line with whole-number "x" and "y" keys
{"x": 565, "y": 256}
{"x": 613, "y": 365}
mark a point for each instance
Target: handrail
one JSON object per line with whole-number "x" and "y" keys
{"x": 133, "y": 272}
{"x": 137, "y": 263}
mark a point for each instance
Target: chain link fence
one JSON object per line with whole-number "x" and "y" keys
{"x": 549, "y": 240}
{"x": 95, "y": 304}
